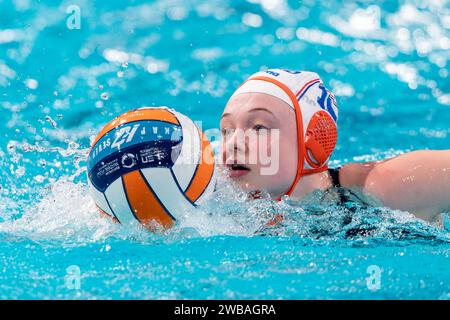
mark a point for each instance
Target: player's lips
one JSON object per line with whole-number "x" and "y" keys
{"x": 238, "y": 170}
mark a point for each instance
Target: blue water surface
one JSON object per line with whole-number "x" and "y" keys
{"x": 60, "y": 82}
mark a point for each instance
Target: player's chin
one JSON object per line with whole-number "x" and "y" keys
{"x": 249, "y": 184}
{"x": 264, "y": 186}
{"x": 246, "y": 183}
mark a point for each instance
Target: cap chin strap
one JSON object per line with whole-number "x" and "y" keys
{"x": 300, "y": 136}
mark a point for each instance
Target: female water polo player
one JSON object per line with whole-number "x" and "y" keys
{"x": 293, "y": 116}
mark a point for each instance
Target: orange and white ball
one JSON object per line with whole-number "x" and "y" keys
{"x": 150, "y": 165}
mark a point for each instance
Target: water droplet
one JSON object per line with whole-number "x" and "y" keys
{"x": 51, "y": 121}
{"x": 20, "y": 171}
{"x": 31, "y": 83}
{"x": 39, "y": 178}
{"x": 73, "y": 145}
{"x": 99, "y": 104}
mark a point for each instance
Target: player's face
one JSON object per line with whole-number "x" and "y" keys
{"x": 259, "y": 143}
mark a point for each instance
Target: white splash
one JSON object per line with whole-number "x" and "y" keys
{"x": 66, "y": 212}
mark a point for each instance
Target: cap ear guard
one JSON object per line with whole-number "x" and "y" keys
{"x": 320, "y": 140}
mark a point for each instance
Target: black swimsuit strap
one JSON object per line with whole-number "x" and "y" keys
{"x": 344, "y": 198}
{"x": 334, "y": 173}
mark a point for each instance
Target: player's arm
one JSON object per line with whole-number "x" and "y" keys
{"x": 417, "y": 182}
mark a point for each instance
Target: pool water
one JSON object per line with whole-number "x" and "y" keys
{"x": 62, "y": 78}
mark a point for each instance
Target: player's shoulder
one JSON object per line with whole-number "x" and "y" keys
{"x": 365, "y": 180}
{"x": 354, "y": 175}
